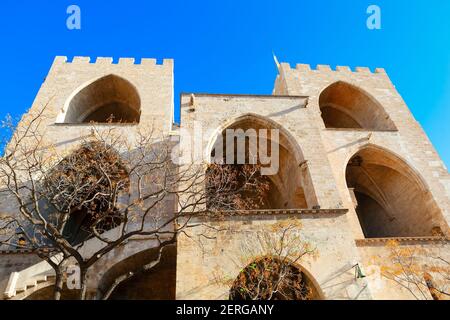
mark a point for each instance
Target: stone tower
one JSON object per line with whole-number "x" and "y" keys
{"x": 361, "y": 168}
{"x": 75, "y": 93}
{"x": 355, "y": 168}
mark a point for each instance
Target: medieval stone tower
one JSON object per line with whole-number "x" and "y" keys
{"x": 355, "y": 168}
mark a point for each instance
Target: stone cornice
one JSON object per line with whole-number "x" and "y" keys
{"x": 288, "y": 212}
{"x": 16, "y": 251}
{"x": 224, "y": 215}
{"x": 227, "y": 95}
{"x": 401, "y": 240}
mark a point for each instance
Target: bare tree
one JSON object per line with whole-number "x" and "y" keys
{"x": 271, "y": 256}
{"x": 112, "y": 188}
{"x": 420, "y": 271}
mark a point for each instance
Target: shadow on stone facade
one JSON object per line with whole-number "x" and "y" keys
{"x": 390, "y": 198}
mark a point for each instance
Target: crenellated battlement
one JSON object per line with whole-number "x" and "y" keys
{"x": 78, "y": 60}
{"x": 327, "y": 68}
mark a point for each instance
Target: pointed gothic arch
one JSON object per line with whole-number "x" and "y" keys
{"x": 108, "y": 99}
{"x": 391, "y": 199}
{"x": 89, "y": 203}
{"x": 158, "y": 283}
{"x": 346, "y": 106}
{"x": 291, "y": 187}
{"x": 275, "y": 278}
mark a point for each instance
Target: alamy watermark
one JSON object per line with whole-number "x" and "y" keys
{"x": 73, "y": 277}
{"x": 73, "y": 21}
{"x": 374, "y": 20}
{"x": 231, "y": 146}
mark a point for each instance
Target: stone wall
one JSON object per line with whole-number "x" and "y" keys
{"x": 14, "y": 262}
{"x": 328, "y": 151}
{"x": 205, "y": 266}
{"x": 153, "y": 83}
{"x": 409, "y": 142}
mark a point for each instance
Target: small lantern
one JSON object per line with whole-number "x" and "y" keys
{"x": 22, "y": 242}
{"x": 359, "y": 273}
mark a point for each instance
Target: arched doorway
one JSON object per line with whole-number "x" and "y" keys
{"x": 346, "y": 106}
{"x": 108, "y": 99}
{"x": 290, "y": 185}
{"x": 270, "y": 278}
{"x": 159, "y": 283}
{"x": 390, "y": 198}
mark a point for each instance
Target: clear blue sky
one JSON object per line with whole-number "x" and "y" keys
{"x": 226, "y": 46}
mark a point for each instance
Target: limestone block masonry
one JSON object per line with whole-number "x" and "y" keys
{"x": 357, "y": 170}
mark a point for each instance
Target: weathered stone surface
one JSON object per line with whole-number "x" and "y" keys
{"x": 323, "y": 155}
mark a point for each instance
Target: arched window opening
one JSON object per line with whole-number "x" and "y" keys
{"x": 282, "y": 189}
{"x": 345, "y": 106}
{"x": 110, "y": 99}
{"x": 86, "y": 186}
{"x": 389, "y": 197}
{"x": 269, "y": 278}
{"x": 158, "y": 283}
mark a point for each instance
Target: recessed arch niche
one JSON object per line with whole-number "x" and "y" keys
{"x": 291, "y": 186}
{"x": 274, "y": 278}
{"x": 158, "y": 283}
{"x": 110, "y": 99}
{"x": 390, "y": 198}
{"x": 345, "y": 106}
